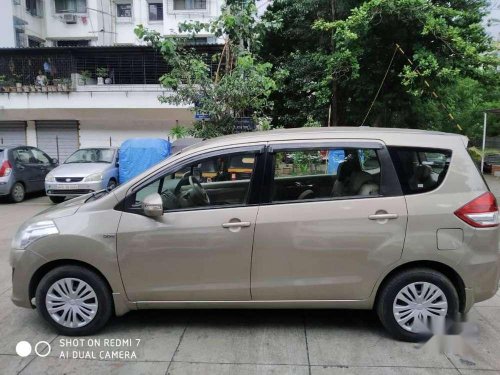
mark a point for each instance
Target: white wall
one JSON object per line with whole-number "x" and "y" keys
{"x": 7, "y": 35}
{"x": 89, "y": 25}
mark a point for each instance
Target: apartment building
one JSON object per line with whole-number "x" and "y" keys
{"x": 73, "y": 74}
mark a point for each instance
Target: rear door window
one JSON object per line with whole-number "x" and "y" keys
{"x": 419, "y": 169}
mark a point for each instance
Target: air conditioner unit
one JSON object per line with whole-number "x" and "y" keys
{"x": 69, "y": 18}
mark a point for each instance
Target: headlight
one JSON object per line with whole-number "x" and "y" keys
{"x": 25, "y": 236}
{"x": 50, "y": 178}
{"x": 96, "y": 177}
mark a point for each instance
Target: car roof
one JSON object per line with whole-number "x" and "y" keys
{"x": 390, "y": 136}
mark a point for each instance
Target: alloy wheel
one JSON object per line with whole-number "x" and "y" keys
{"x": 71, "y": 302}
{"x": 419, "y": 305}
{"x": 18, "y": 192}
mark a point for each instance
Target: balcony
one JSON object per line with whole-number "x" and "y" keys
{"x": 51, "y": 70}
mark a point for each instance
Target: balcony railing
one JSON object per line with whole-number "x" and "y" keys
{"x": 61, "y": 69}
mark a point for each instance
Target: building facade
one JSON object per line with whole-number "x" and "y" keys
{"x": 73, "y": 74}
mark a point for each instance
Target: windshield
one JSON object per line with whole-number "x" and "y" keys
{"x": 91, "y": 155}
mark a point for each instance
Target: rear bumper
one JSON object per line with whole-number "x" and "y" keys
{"x": 5, "y": 186}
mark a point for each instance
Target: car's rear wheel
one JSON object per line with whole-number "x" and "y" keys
{"x": 17, "y": 193}
{"x": 57, "y": 199}
{"x": 74, "y": 300}
{"x": 416, "y": 302}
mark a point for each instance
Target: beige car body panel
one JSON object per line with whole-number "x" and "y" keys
{"x": 205, "y": 277}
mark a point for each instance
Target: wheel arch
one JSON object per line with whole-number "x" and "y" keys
{"x": 47, "y": 267}
{"x": 446, "y": 270}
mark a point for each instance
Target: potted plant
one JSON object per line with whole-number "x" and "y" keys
{"x": 57, "y": 84}
{"x": 101, "y": 73}
{"x": 18, "y": 82}
{"x": 4, "y": 86}
{"x": 84, "y": 76}
{"x": 65, "y": 84}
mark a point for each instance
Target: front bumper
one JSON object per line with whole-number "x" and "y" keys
{"x": 72, "y": 189}
{"x": 24, "y": 263}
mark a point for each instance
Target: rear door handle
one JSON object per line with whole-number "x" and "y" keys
{"x": 237, "y": 224}
{"x": 383, "y": 217}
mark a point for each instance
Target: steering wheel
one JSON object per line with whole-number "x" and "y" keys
{"x": 196, "y": 194}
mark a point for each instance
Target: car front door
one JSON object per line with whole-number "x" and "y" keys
{"x": 42, "y": 164}
{"x": 198, "y": 250}
{"x": 328, "y": 229}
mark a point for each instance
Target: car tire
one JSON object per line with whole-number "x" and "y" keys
{"x": 111, "y": 184}
{"x": 390, "y": 302}
{"x": 17, "y": 193}
{"x": 95, "y": 304}
{"x": 57, "y": 200}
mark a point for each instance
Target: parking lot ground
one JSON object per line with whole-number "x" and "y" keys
{"x": 178, "y": 342}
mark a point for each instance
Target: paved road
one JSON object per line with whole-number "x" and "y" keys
{"x": 234, "y": 342}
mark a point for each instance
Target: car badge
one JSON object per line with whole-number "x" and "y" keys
{"x": 68, "y": 180}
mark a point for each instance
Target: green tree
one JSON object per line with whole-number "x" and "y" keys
{"x": 444, "y": 40}
{"x": 239, "y": 86}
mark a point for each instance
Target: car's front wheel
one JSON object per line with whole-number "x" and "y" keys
{"x": 416, "y": 302}
{"x": 74, "y": 300}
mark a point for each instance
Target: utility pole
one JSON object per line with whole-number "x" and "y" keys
{"x": 333, "y": 112}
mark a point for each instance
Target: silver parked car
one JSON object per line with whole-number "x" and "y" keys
{"x": 23, "y": 170}
{"x": 399, "y": 221}
{"x": 86, "y": 171}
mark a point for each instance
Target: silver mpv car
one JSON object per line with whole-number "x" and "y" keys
{"x": 399, "y": 221}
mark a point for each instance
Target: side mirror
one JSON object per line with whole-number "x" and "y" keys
{"x": 152, "y": 205}
{"x": 117, "y": 164}
{"x": 55, "y": 161}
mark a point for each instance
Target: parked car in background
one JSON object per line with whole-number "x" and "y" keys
{"x": 85, "y": 171}
{"x": 23, "y": 170}
{"x": 404, "y": 224}
{"x": 489, "y": 161}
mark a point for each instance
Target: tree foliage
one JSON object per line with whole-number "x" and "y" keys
{"x": 239, "y": 86}
{"x": 345, "y": 54}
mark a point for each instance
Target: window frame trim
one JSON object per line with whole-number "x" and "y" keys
{"x": 254, "y": 185}
{"x": 389, "y": 181}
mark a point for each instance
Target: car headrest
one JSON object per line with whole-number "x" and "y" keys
{"x": 422, "y": 173}
{"x": 346, "y": 168}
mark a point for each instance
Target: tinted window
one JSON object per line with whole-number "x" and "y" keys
{"x": 40, "y": 157}
{"x": 22, "y": 156}
{"x": 328, "y": 173}
{"x": 185, "y": 187}
{"x": 419, "y": 169}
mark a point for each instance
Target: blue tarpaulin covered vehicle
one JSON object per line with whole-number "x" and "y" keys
{"x": 139, "y": 154}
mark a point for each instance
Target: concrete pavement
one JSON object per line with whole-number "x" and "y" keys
{"x": 234, "y": 341}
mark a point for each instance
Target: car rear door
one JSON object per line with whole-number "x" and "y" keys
{"x": 327, "y": 246}
{"x": 24, "y": 170}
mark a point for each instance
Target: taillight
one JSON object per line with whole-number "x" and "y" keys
{"x": 5, "y": 169}
{"x": 481, "y": 212}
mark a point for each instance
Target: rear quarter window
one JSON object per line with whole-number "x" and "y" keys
{"x": 420, "y": 169}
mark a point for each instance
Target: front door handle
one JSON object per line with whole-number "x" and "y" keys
{"x": 383, "y": 217}
{"x": 237, "y": 224}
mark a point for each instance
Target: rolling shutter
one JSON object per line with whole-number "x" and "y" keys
{"x": 12, "y": 133}
{"x": 58, "y": 138}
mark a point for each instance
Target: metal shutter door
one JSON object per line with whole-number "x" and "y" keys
{"x": 57, "y": 138}
{"x": 12, "y": 133}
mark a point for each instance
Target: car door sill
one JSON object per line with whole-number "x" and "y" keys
{"x": 274, "y": 304}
